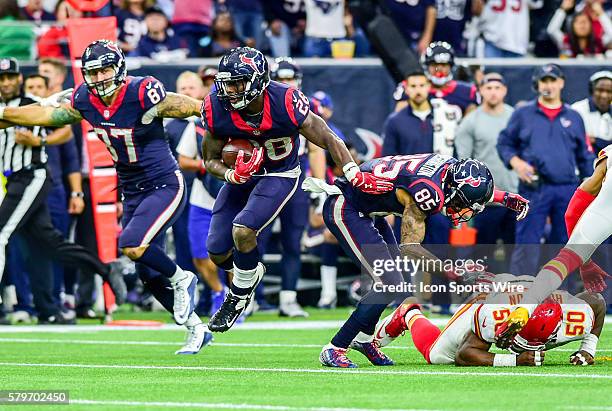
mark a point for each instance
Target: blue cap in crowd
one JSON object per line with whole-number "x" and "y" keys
{"x": 548, "y": 70}
{"x": 324, "y": 99}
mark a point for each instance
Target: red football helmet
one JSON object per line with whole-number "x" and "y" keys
{"x": 540, "y": 329}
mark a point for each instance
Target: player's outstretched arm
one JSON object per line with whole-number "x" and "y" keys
{"x": 178, "y": 106}
{"x": 35, "y": 115}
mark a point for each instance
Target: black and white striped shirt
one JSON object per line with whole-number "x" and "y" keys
{"x": 13, "y": 156}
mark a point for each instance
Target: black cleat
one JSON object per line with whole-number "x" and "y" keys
{"x": 231, "y": 309}
{"x": 233, "y": 306}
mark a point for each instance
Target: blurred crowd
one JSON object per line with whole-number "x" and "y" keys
{"x": 168, "y": 30}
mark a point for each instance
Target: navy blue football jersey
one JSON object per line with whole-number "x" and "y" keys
{"x": 457, "y": 93}
{"x": 140, "y": 151}
{"x": 285, "y": 109}
{"x": 418, "y": 174}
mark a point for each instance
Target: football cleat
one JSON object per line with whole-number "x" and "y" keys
{"x": 332, "y": 356}
{"x": 198, "y": 337}
{"x": 327, "y": 303}
{"x": 184, "y": 297}
{"x": 397, "y": 325}
{"x": 372, "y": 351}
{"x": 233, "y": 306}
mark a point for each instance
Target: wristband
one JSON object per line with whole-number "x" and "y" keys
{"x": 1, "y": 113}
{"x": 77, "y": 194}
{"x": 350, "y": 170}
{"x": 229, "y": 176}
{"x": 504, "y": 360}
{"x": 589, "y": 344}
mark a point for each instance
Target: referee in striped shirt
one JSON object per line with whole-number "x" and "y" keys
{"x": 24, "y": 206}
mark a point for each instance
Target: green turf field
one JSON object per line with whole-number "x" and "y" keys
{"x": 276, "y": 369}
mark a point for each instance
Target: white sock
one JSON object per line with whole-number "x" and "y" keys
{"x": 411, "y": 314}
{"x": 287, "y": 297}
{"x": 244, "y": 278}
{"x": 364, "y": 338}
{"x": 179, "y": 274}
{"x": 328, "y": 281}
{"x": 193, "y": 320}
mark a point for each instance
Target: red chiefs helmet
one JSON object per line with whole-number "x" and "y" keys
{"x": 540, "y": 329}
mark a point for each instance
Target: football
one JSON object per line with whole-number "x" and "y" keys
{"x": 231, "y": 149}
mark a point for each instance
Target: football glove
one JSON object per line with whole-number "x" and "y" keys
{"x": 581, "y": 358}
{"x": 505, "y": 333}
{"x": 593, "y": 276}
{"x": 242, "y": 172}
{"x": 366, "y": 182}
{"x": 516, "y": 203}
{"x": 55, "y": 100}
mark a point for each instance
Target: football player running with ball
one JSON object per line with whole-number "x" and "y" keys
{"x": 271, "y": 115}
{"x": 589, "y": 222}
{"x": 126, "y": 114}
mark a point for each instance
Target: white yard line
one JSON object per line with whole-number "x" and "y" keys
{"x": 247, "y": 326}
{"x": 464, "y": 373}
{"x": 170, "y": 343}
{"x": 226, "y": 406}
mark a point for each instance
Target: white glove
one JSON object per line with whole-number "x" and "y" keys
{"x": 55, "y": 100}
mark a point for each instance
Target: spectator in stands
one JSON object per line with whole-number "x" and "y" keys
{"x": 326, "y": 110}
{"x": 477, "y": 138}
{"x": 544, "y": 143}
{"x": 596, "y": 110}
{"x": 130, "y": 21}
{"x": 451, "y": 19}
{"x": 16, "y": 37}
{"x": 54, "y": 42}
{"x": 222, "y": 38}
{"x": 34, "y": 11}
{"x": 191, "y": 21}
{"x": 505, "y": 28}
{"x": 324, "y": 24}
{"x": 416, "y": 20}
{"x": 580, "y": 39}
{"x": 159, "y": 39}
{"x": 207, "y": 74}
{"x": 248, "y": 19}
{"x": 286, "y": 21}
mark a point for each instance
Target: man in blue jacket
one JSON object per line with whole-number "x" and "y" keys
{"x": 545, "y": 144}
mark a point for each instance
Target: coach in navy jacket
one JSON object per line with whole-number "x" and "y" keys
{"x": 545, "y": 144}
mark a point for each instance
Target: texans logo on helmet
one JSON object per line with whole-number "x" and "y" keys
{"x": 470, "y": 180}
{"x": 251, "y": 62}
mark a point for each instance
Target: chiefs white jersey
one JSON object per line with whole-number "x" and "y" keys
{"x": 578, "y": 316}
{"x": 505, "y": 23}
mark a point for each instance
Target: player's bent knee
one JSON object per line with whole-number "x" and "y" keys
{"x": 245, "y": 239}
{"x": 134, "y": 253}
{"x": 223, "y": 261}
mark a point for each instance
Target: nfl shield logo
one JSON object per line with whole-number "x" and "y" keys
{"x": 256, "y": 132}
{"x": 106, "y": 113}
{"x": 5, "y": 64}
